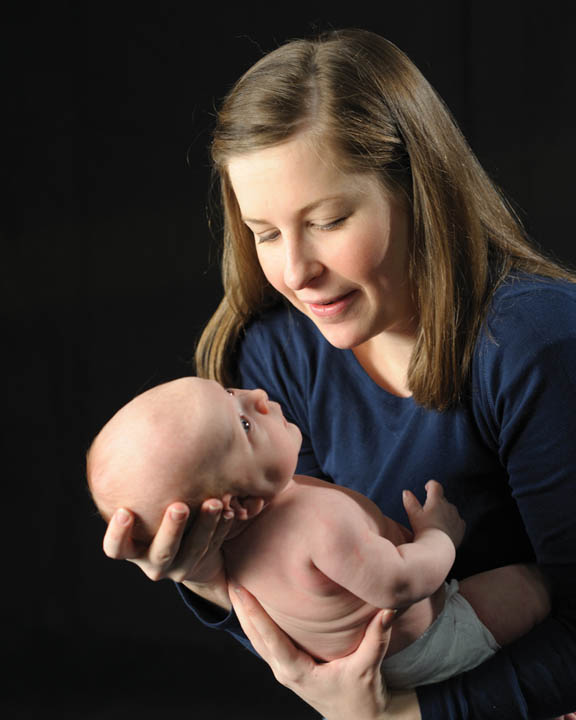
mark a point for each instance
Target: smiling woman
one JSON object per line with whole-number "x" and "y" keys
{"x": 335, "y": 244}
{"x": 378, "y": 287}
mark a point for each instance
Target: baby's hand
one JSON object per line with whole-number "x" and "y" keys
{"x": 437, "y": 512}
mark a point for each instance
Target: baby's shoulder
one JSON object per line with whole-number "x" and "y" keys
{"x": 338, "y": 510}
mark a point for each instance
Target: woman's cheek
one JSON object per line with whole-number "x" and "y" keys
{"x": 273, "y": 272}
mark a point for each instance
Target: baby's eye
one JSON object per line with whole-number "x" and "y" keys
{"x": 245, "y": 423}
{"x": 230, "y": 392}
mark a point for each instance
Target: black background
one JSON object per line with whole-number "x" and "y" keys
{"x": 108, "y": 276}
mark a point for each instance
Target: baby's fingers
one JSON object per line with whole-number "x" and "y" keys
{"x": 411, "y": 504}
{"x": 434, "y": 491}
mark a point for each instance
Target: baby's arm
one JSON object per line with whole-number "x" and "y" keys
{"x": 389, "y": 576}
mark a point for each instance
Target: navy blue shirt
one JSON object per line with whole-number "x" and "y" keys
{"x": 506, "y": 457}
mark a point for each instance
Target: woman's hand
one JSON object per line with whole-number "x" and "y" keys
{"x": 195, "y": 560}
{"x": 350, "y": 687}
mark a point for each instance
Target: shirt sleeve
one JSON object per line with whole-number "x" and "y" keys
{"x": 213, "y": 616}
{"x": 526, "y": 374}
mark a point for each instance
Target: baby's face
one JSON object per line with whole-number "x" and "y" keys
{"x": 262, "y": 446}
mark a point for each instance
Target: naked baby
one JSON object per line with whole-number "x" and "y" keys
{"x": 321, "y": 559}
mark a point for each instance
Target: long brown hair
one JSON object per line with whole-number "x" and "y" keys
{"x": 364, "y": 98}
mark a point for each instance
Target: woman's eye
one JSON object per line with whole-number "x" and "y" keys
{"x": 331, "y": 225}
{"x": 245, "y": 423}
{"x": 267, "y": 238}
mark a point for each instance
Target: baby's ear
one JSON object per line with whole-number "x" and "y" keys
{"x": 246, "y": 507}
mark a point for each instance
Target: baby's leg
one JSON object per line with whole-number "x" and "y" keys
{"x": 509, "y": 600}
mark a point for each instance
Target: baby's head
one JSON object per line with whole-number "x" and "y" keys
{"x": 189, "y": 440}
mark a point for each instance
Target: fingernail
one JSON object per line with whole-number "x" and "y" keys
{"x": 213, "y": 508}
{"x": 228, "y": 514}
{"x": 178, "y": 514}
{"x": 122, "y": 517}
{"x": 388, "y": 618}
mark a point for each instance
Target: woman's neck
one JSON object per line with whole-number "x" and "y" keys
{"x": 386, "y": 358}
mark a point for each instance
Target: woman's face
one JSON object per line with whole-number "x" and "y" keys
{"x": 335, "y": 244}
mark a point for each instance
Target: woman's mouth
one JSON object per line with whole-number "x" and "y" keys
{"x": 332, "y": 307}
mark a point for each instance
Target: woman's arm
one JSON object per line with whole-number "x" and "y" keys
{"x": 522, "y": 404}
{"x": 525, "y": 382}
{"x": 350, "y": 687}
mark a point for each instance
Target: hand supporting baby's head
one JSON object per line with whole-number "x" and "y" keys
{"x": 189, "y": 440}
{"x": 159, "y": 448}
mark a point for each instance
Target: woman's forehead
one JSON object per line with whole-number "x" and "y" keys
{"x": 292, "y": 178}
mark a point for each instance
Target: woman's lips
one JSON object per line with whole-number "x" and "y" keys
{"x": 333, "y": 307}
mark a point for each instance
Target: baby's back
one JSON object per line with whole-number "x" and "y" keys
{"x": 273, "y": 559}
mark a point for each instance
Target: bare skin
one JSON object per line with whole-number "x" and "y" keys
{"x": 320, "y": 558}
{"x": 349, "y": 687}
{"x": 323, "y": 585}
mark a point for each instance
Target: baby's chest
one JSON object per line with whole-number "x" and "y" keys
{"x": 273, "y": 557}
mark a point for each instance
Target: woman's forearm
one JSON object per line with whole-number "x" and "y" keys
{"x": 403, "y": 705}
{"x": 216, "y": 593}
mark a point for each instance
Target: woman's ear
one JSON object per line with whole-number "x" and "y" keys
{"x": 246, "y": 507}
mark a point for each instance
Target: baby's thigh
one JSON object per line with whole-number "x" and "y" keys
{"x": 509, "y": 600}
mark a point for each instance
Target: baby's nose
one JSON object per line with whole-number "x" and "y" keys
{"x": 261, "y": 400}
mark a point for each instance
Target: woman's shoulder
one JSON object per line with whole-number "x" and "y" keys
{"x": 523, "y": 373}
{"x": 529, "y": 307}
{"x": 529, "y": 333}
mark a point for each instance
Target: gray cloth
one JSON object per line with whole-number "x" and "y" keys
{"x": 455, "y": 642}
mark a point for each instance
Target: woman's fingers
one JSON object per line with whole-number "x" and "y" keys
{"x": 195, "y": 557}
{"x": 349, "y": 687}
{"x": 210, "y": 527}
{"x": 269, "y": 641}
{"x": 117, "y": 542}
{"x": 166, "y": 542}
{"x": 374, "y": 645}
{"x": 225, "y": 521}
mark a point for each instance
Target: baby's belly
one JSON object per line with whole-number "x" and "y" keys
{"x": 326, "y": 630}
{"x": 320, "y": 616}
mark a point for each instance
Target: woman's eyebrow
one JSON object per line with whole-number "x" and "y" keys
{"x": 307, "y": 208}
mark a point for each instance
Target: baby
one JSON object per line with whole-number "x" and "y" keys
{"x": 321, "y": 559}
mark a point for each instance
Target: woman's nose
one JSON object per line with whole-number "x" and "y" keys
{"x": 301, "y": 266}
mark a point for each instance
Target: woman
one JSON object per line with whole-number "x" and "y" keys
{"x": 378, "y": 287}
